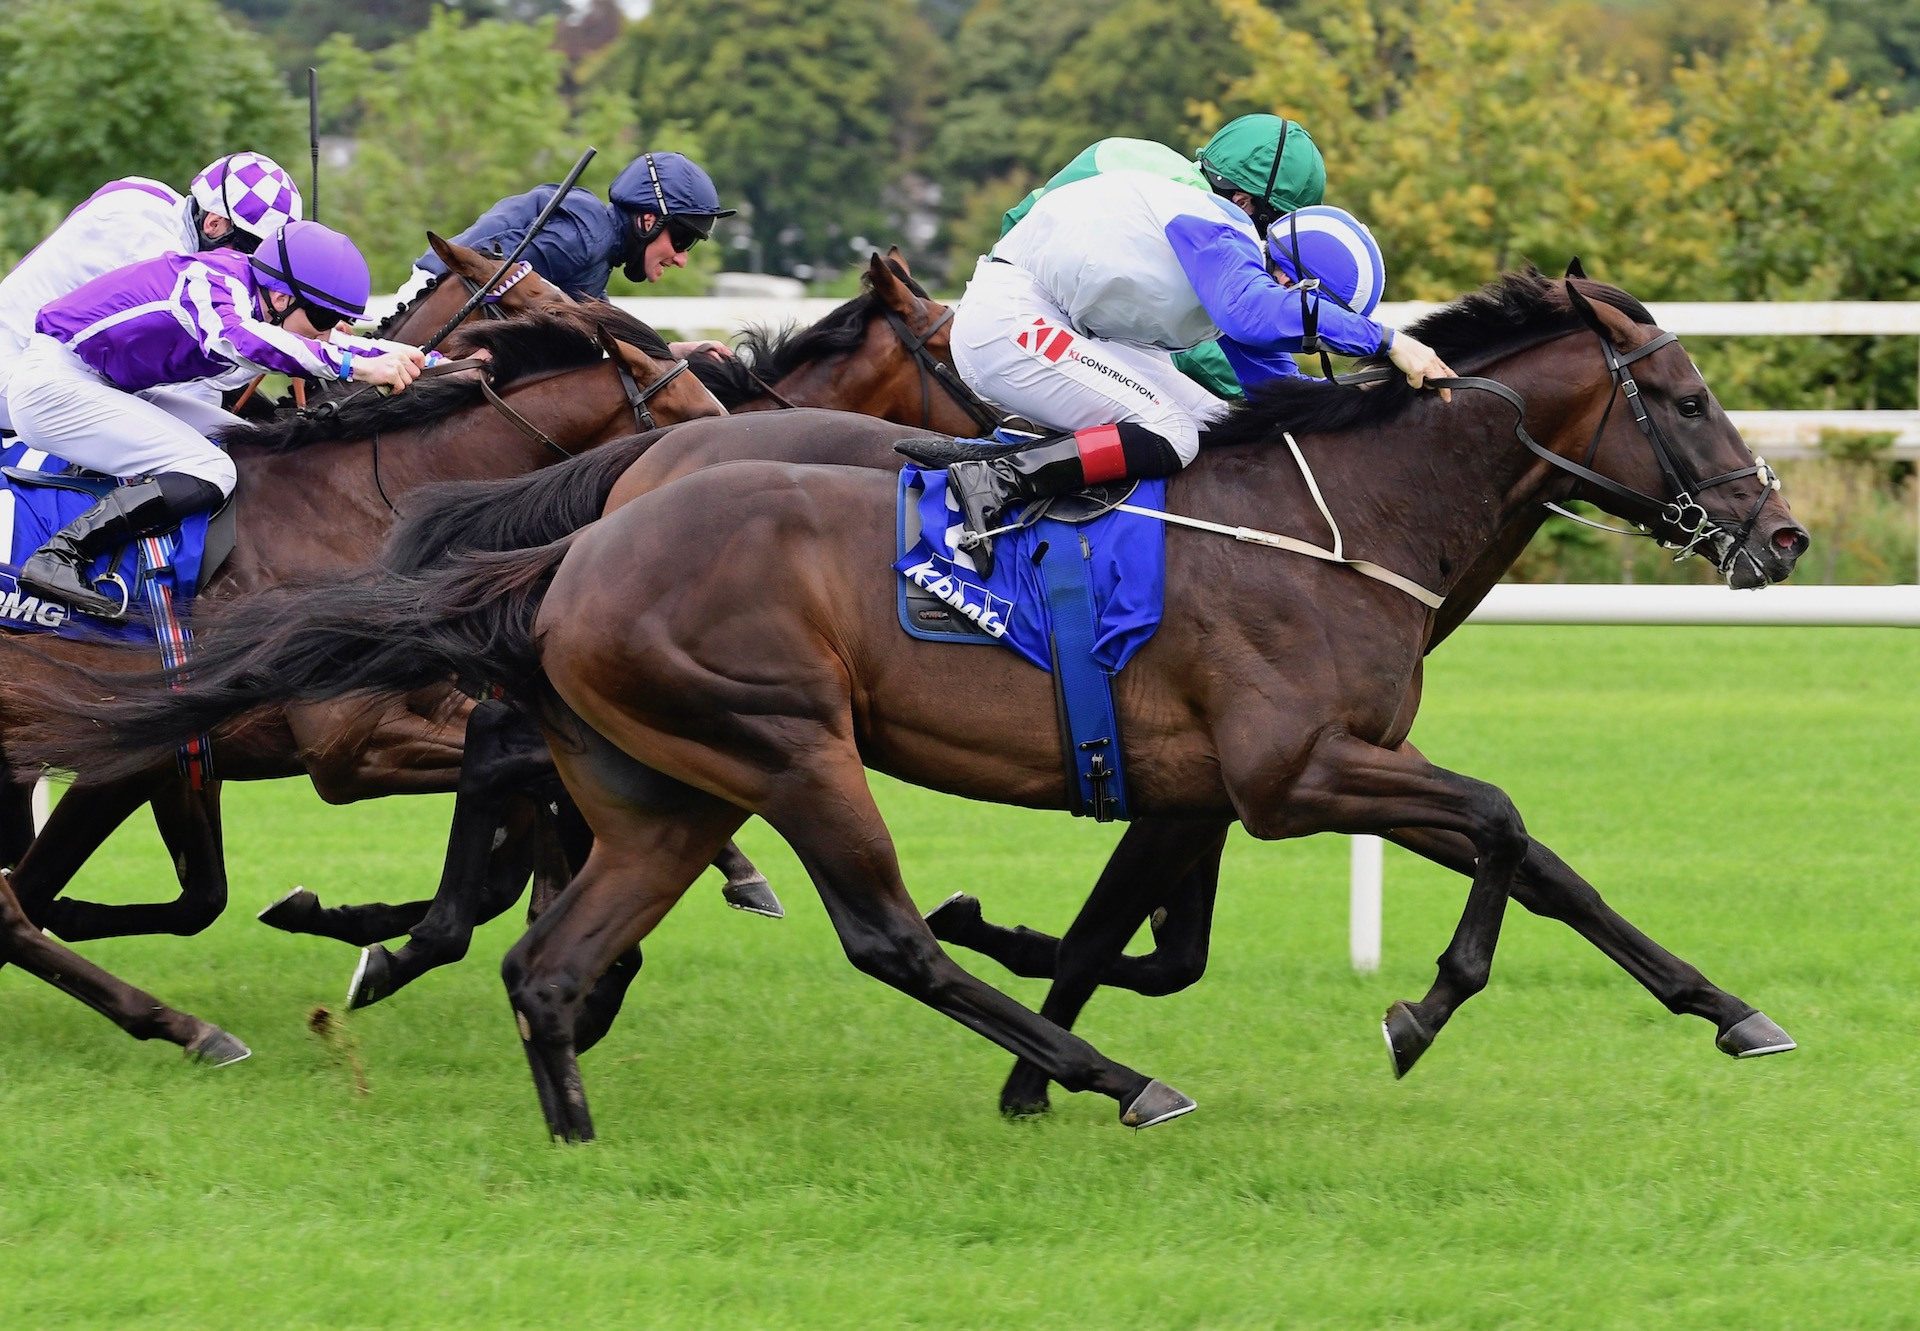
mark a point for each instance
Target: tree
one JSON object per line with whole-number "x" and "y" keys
{"x": 808, "y": 110}
{"x": 94, "y": 89}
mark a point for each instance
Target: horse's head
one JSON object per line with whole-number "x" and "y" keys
{"x": 1664, "y": 454}
{"x": 658, "y": 389}
{"x": 910, "y": 349}
{"x": 519, "y": 292}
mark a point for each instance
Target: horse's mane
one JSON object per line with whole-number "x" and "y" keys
{"x": 1517, "y": 311}
{"x": 773, "y": 354}
{"x": 559, "y": 337}
{"x": 405, "y": 307}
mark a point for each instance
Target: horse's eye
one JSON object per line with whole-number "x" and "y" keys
{"x": 1692, "y": 406}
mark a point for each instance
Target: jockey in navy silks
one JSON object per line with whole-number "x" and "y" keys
{"x": 663, "y": 204}
{"x": 92, "y": 384}
{"x": 234, "y": 203}
{"x": 1073, "y": 319}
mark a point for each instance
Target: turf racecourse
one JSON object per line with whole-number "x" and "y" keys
{"x": 786, "y": 1143}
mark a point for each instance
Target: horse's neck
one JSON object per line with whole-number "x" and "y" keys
{"x": 423, "y": 318}
{"x": 324, "y": 507}
{"x": 1445, "y": 496}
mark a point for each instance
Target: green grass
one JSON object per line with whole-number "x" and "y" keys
{"x": 787, "y": 1143}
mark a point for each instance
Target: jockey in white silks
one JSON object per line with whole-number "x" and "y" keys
{"x": 1072, "y": 320}
{"x": 234, "y": 203}
{"x": 85, "y": 389}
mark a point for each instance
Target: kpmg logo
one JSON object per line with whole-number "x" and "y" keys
{"x": 988, "y": 611}
{"x": 31, "y": 610}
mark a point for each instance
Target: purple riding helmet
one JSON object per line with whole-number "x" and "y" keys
{"x": 249, "y": 190}
{"x": 321, "y": 269}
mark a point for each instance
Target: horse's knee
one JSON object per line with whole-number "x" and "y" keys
{"x": 908, "y": 961}
{"x": 1165, "y": 975}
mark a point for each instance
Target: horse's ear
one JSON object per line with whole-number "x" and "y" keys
{"x": 899, "y": 260}
{"x": 888, "y": 286}
{"x": 1574, "y": 269}
{"x": 1588, "y": 315}
{"x": 445, "y": 249}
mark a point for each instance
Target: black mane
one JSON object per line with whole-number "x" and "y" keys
{"x": 560, "y": 337}
{"x": 1519, "y": 310}
{"x": 773, "y": 354}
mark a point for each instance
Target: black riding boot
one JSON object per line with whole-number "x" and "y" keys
{"x": 1057, "y": 465}
{"x": 58, "y": 570}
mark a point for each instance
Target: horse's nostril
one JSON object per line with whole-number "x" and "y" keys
{"x": 1791, "y": 540}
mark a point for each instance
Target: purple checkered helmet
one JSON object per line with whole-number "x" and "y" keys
{"x": 249, "y": 190}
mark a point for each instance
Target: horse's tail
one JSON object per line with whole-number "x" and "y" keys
{"x": 471, "y": 619}
{"x": 517, "y": 514}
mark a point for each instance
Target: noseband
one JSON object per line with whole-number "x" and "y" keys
{"x": 1677, "y": 523}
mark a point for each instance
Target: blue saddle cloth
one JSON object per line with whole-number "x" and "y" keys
{"x": 1126, "y": 564}
{"x": 156, "y": 568}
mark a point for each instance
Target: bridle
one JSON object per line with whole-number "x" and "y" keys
{"x": 638, "y": 400}
{"x": 1678, "y": 522}
{"x": 933, "y": 370}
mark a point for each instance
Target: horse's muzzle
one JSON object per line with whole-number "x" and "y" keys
{"x": 1769, "y": 555}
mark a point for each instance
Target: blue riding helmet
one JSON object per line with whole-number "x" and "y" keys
{"x": 678, "y": 194}
{"x": 1333, "y": 245}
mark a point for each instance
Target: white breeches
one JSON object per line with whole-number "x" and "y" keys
{"x": 59, "y": 404}
{"x": 1015, "y": 348}
{"x": 12, "y": 346}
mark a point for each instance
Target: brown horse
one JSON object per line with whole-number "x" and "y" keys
{"x": 317, "y": 495}
{"x": 428, "y": 312}
{"x": 1278, "y": 690}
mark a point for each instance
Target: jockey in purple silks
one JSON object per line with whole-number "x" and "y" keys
{"x": 82, "y": 389}
{"x": 234, "y": 203}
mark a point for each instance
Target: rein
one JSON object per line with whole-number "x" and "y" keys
{"x": 933, "y": 370}
{"x": 637, "y": 400}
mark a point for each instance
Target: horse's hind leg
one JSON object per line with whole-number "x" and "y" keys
{"x": 134, "y": 1011}
{"x": 653, "y": 836}
{"x": 822, "y": 806}
{"x": 1157, "y": 865}
{"x": 1547, "y": 887}
{"x": 189, "y": 823}
{"x": 82, "y": 819}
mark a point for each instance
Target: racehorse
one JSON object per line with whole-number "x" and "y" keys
{"x": 316, "y": 495}
{"x": 883, "y": 353}
{"x": 519, "y": 292}
{"x": 1278, "y": 690}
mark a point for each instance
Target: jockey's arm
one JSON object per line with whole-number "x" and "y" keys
{"x": 1252, "y": 309}
{"x": 218, "y": 307}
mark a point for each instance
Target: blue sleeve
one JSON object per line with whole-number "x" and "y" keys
{"x": 1254, "y": 366}
{"x": 1247, "y": 305}
{"x": 574, "y": 250}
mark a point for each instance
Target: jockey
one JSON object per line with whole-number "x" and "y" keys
{"x": 1073, "y": 317}
{"x": 1236, "y": 163}
{"x": 92, "y": 385}
{"x": 663, "y": 205}
{"x": 234, "y": 202}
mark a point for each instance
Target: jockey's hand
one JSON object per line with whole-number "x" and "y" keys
{"x": 1419, "y": 363}
{"x": 688, "y": 350}
{"x": 393, "y": 371}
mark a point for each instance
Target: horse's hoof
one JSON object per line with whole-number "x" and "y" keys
{"x": 1018, "y": 1100}
{"x": 755, "y": 897}
{"x": 956, "y": 913}
{"x": 216, "y": 1048}
{"x": 1407, "y": 1039}
{"x": 291, "y": 912}
{"x": 1754, "y": 1036}
{"x": 372, "y": 978}
{"x": 1156, "y": 1103}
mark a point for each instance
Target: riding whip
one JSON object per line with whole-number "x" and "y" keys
{"x": 313, "y": 142}
{"x": 507, "y": 263}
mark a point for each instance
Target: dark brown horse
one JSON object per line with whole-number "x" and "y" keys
{"x": 1278, "y": 690}
{"x": 428, "y": 312}
{"x": 317, "y": 495}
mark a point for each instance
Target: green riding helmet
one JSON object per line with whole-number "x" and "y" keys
{"x": 1274, "y": 160}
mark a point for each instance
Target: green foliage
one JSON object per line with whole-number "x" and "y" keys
{"x": 448, "y": 122}
{"x": 25, "y": 220}
{"x": 95, "y": 89}
{"x": 805, "y": 109}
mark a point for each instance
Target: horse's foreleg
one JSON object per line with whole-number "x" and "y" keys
{"x": 1348, "y": 785}
{"x": 189, "y": 823}
{"x": 134, "y": 1011}
{"x": 81, "y": 820}
{"x": 1547, "y": 887}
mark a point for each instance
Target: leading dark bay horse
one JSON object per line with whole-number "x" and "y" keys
{"x": 1278, "y": 691}
{"x": 316, "y": 495}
